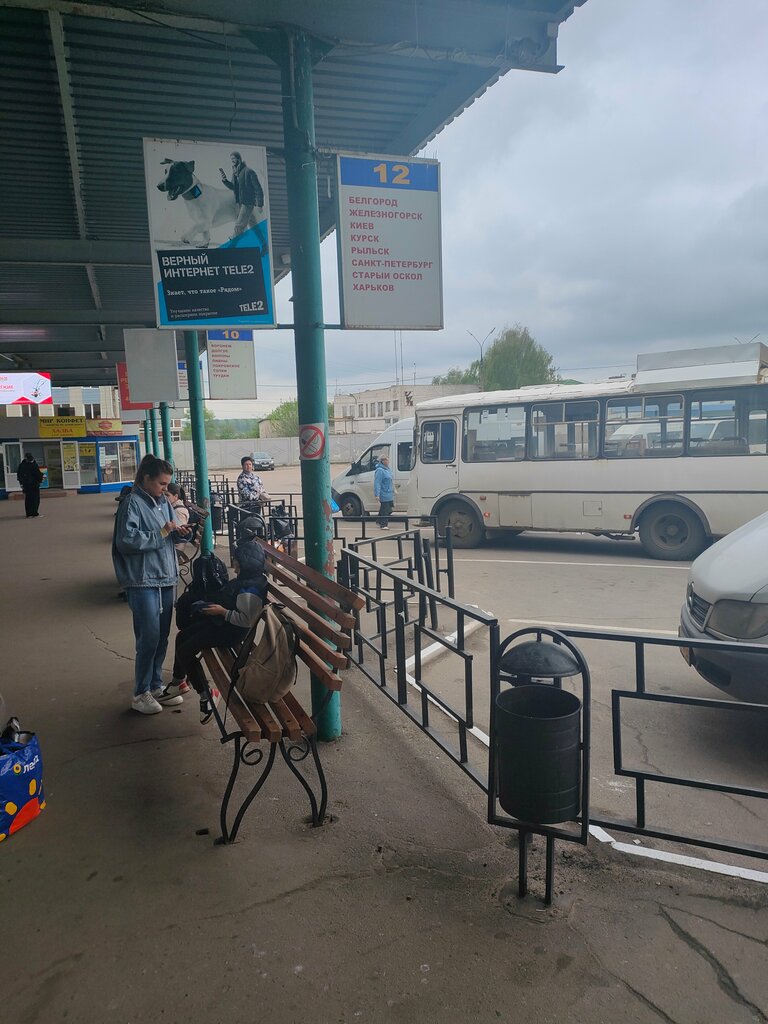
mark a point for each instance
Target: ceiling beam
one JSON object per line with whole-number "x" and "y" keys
{"x": 75, "y": 317}
{"x": 75, "y": 252}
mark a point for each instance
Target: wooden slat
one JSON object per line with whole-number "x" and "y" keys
{"x": 271, "y": 728}
{"x": 346, "y": 598}
{"x": 318, "y": 668}
{"x": 240, "y": 712}
{"x": 306, "y": 723}
{"x": 317, "y": 601}
{"x": 291, "y": 727}
{"x": 318, "y": 625}
{"x": 318, "y": 645}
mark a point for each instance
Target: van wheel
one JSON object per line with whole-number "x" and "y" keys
{"x": 350, "y": 507}
{"x": 671, "y": 531}
{"x": 466, "y": 527}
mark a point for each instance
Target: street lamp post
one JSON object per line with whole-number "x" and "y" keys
{"x": 482, "y": 343}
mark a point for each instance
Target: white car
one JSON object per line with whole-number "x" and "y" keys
{"x": 727, "y": 599}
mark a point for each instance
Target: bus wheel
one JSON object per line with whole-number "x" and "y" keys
{"x": 350, "y": 507}
{"x": 671, "y": 531}
{"x": 465, "y": 524}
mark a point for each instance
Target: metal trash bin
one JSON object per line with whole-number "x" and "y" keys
{"x": 217, "y": 512}
{"x": 538, "y": 754}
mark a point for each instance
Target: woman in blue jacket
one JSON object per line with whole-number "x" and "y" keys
{"x": 384, "y": 490}
{"x": 144, "y": 557}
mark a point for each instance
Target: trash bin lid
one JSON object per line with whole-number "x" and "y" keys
{"x": 539, "y": 659}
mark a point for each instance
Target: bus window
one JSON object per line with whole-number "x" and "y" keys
{"x": 494, "y": 434}
{"x": 643, "y": 427}
{"x": 404, "y": 456}
{"x": 438, "y": 441}
{"x": 727, "y": 423}
{"x": 564, "y": 430}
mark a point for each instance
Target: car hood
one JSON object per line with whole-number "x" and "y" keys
{"x": 736, "y": 567}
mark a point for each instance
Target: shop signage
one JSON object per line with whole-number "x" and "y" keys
{"x": 231, "y": 369}
{"x": 209, "y": 229}
{"x": 25, "y": 389}
{"x": 62, "y": 426}
{"x": 389, "y": 243}
{"x": 87, "y": 451}
{"x": 103, "y": 428}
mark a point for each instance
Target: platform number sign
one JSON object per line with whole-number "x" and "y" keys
{"x": 389, "y": 243}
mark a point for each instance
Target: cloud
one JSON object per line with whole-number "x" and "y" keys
{"x": 615, "y": 208}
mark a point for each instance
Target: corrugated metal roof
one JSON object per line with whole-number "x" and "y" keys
{"x": 393, "y": 75}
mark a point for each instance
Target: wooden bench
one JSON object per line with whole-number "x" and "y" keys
{"x": 323, "y": 613}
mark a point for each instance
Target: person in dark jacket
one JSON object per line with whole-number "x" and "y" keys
{"x": 30, "y": 476}
{"x": 248, "y": 195}
{"x": 144, "y": 557}
{"x": 223, "y": 624}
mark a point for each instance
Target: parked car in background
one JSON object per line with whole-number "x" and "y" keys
{"x": 727, "y": 599}
{"x": 262, "y": 460}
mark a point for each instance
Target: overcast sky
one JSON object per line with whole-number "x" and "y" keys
{"x": 616, "y": 208}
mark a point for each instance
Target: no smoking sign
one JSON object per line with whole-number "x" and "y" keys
{"x": 312, "y": 441}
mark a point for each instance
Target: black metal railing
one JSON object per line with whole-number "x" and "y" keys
{"x": 397, "y": 619}
{"x": 401, "y": 604}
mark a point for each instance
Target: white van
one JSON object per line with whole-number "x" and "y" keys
{"x": 352, "y": 490}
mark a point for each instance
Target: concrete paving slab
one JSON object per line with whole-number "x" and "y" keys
{"x": 401, "y": 909}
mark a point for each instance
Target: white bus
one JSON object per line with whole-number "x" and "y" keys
{"x": 672, "y": 452}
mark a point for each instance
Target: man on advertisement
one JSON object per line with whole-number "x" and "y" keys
{"x": 248, "y": 195}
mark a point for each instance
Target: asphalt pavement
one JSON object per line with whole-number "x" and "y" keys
{"x": 401, "y": 910}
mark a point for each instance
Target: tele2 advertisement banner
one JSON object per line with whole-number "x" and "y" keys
{"x": 209, "y": 229}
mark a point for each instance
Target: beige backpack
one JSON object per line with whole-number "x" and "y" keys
{"x": 265, "y": 668}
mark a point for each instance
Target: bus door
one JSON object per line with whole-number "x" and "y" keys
{"x": 438, "y": 464}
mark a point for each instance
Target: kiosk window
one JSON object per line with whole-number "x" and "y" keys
{"x": 438, "y": 441}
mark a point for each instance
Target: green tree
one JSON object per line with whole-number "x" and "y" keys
{"x": 209, "y": 422}
{"x": 515, "y": 360}
{"x": 458, "y": 376}
{"x": 285, "y": 418}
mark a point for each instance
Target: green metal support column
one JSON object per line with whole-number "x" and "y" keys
{"x": 165, "y": 423}
{"x": 197, "y": 423}
{"x": 153, "y": 432}
{"x": 147, "y": 441}
{"x": 296, "y": 62}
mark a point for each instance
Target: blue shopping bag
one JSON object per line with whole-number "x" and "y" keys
{"x": 21, "y": 783}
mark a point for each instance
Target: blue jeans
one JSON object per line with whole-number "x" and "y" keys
{"x": 152, "y": 609}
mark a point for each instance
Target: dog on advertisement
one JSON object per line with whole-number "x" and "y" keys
{"x": 206, "y": 205}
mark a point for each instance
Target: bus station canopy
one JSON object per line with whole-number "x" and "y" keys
{"x": 82, "y": 83}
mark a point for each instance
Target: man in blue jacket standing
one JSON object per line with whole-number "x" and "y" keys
{"x": 384, "y": 490}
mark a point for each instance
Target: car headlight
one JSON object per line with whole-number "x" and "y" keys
{"x": 739, "y": 619}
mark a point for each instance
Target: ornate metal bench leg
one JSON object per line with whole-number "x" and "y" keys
{"x": 253, "y": 759}
{"x": 298, "y": 752}
{"x": 321, "y": 776}
{"x": 224, "y": 837}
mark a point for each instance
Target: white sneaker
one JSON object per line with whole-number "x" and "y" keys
{"x": 170, "y": 695}
{"x": 146, "y": 704}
